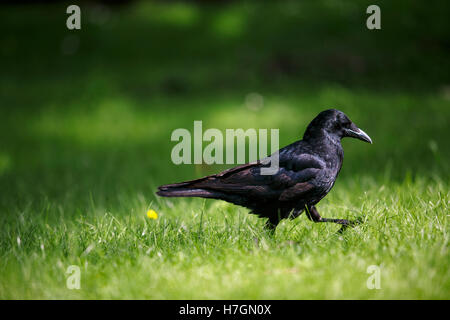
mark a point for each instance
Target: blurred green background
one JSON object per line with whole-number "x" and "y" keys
{"x": 86, "y": 115}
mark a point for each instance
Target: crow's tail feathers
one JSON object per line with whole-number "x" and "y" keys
{"x": 164, "y": 191}
{"x": 187, "y": 189}
{"x": 206, "y": 187}
{"x": 202, "y": 188}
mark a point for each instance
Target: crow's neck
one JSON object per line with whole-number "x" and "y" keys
{"x": 327, "y": 145}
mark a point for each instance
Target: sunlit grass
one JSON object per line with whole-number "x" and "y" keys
{"x": 80, "y": 197}
{"x": 218, "y": 251}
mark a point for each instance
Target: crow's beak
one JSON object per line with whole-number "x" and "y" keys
{"x": 358, "y": 134}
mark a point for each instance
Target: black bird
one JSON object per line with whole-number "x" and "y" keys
{"x": 307, "y": 171}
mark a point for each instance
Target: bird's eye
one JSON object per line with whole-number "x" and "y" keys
{"x": 337, "y": 125}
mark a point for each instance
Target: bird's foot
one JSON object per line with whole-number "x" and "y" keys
{"x": 348, "y": 223}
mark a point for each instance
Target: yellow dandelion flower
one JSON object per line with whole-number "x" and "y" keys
{"x": 151, "y": 214}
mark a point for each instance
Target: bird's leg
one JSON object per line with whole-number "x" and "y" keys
{"x": 272, "y": 222}
{"x": 270, "y": 226}
{"x": 313, "y": 215}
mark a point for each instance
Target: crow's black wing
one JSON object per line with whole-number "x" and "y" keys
{"x": 296, "y": 171}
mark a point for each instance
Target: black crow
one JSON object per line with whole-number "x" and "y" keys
{"x": 307, "y": 171}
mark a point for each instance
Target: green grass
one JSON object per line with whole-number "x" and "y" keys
{"x": 222, "y": 252}
{"x": 85, "y": 141}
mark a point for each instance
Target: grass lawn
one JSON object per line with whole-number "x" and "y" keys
{"x": 85, "y": 125}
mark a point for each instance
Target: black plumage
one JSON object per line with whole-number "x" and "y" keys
{"x": 307, "y": 171}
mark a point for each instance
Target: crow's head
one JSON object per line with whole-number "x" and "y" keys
{"x": 335, "y": 124}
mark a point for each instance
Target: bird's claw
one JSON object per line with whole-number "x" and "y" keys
{"x": 350, "y": 223}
